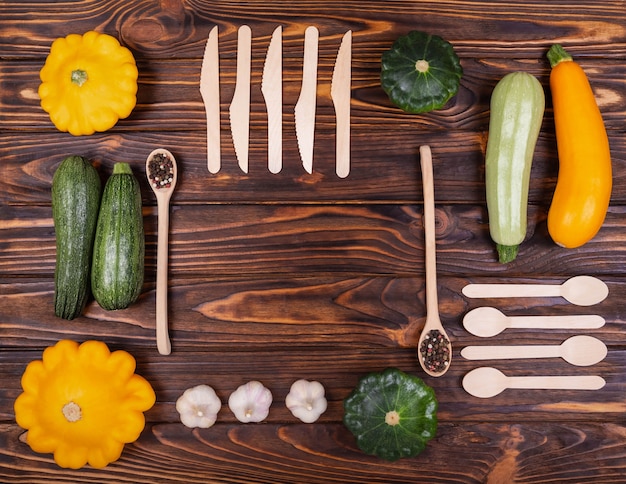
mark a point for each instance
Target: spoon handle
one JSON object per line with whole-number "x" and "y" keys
{"x": 578, "y": 321}
{"x": 511, "y": 290}
{"x": 510, "y": 352}
{"x": 575, "y": 382}
{"x": 429, "y": 229}
{"x": 162, "y": 335}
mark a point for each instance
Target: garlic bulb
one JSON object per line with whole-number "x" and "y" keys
{"x": 198, "y": 407}
{"x": 306, "y": 400}
{"x": 250, "y": 402}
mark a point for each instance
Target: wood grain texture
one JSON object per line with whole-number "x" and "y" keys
{"x": 167, "y": 453}
{"x": 298, "y": 240}
{"x": 296, "y": 275}
{"x": 386, "y": 169}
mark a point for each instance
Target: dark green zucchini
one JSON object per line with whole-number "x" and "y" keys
{"x": 118, "y": 255}
{"x": 76, "y": 190}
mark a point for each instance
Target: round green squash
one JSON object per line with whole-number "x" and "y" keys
{"x": 392, "y": 414}
{"x": 420, "y": 72}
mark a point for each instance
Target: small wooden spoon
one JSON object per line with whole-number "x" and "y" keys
{"x": 487, "y": 382}
{"x": 163, "y": 191}
{"x": 432, "y": 326}
{"x": 577, "y": 350}
{"x": 487, "y": 321}
{"x": 579, "y": 290}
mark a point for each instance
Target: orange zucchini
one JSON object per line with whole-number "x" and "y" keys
{"x": 583, "y": 190}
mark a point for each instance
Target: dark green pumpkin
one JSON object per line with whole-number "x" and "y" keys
{"x": 76, "y": 190}
{"x": 118, "y": 256}
{"x": 392, "y": 414}
{"x": 420, "y": 72}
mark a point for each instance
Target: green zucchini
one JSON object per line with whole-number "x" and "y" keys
{"x": 76, "y": 190}
{"x": 517, "y": 106}
{"x": 118, "y": 255}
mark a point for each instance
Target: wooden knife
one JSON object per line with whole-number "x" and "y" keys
{"x": 239, "y": 110}
{"x": 272, "y": 89}
{"x": 210, "y": 91}
{"x": 305, "y": 107}
{"x": 340, "y": 94}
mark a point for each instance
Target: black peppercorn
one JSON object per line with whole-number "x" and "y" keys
{"x": 434, "y": 351}
{"x": 161, "y": 171}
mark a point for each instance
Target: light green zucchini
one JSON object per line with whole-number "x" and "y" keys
{"x": 517, "y": 107}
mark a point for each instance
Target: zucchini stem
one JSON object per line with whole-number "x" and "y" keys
{"x": 122, "y": 168}
{"x": 557, "y": 54}
{"x": 507, "y": 253}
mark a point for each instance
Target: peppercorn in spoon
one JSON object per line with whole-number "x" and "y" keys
{"x": 433, "y": 348}
{"x": 162, "y": 173}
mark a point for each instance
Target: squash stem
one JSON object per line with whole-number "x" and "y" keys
{"x": 79, "y": 77}
{"x": 422, "y": 66}
{"x": 72, "y": 412}
{"x": 507, "y": 253}
{"x": 557, "y": 54}
{"x": 392, "y": 418}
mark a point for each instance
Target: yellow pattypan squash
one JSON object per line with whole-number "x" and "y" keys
{"x": 82, "y": 403}
{"x": 88, "y": 83}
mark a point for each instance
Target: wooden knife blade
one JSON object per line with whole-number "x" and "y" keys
{"x": 340, "y": 93}
{"x": 210, "y": 91}
{"x": 305, "y": 107}
{"x": 239, "y": 110}
{"x": 272, "y": 89}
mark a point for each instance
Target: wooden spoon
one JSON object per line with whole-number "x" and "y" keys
{"x": 579, "y": 290}
{"x": 487, "y": 321}
{"x": 487, "y": 382}
{"x": 577, "y": 350}
{"x": 163, "y": 195}
{"x": 433, "y": 329}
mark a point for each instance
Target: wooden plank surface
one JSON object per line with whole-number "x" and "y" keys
{"x": 288, "y": 276}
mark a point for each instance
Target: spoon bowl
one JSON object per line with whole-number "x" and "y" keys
{"x": 434, "y": 348}
{"x": 485, "y": 382}
{"x": 583, "y": 350}
{"x": 162, "y": 173}
{"x": 584, "y": 290}
{"x": 487, "y": 321}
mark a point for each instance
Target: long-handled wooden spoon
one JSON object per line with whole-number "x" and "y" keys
{"x": 578, "y": 350}
{"x": 487, "y": 321}
{"x": 579, "y": 290}
{"x": 434, "y": 349}
{"x": 487, "y": 382}
{"x": 162, "y": 174}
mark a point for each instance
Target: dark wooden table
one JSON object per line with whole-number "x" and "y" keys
{"x": 288, "y": 276}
